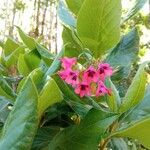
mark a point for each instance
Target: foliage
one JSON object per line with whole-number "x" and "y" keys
{"x": 39, "y": 111}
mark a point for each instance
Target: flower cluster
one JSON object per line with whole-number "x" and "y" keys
{"x": 87, "y": 82}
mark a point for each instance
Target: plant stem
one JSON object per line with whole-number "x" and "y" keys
{"x": 104, "y": 143}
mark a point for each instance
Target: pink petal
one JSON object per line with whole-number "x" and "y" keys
{"x": 90, "y": 75}
{"x": 68, "y": 62}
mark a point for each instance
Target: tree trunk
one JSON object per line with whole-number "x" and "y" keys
{"x": 50, "y": 25}
{"x": 13, "y": 20}
{"x": 56, "y": 24}
{"x": 44, "y": 15}
{"x": 37, "y": 19}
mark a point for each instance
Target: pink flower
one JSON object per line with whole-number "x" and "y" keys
{"x": 64, "y": 74}
{"x": 68, "y": 62}
{"x": 90, "y": 75}
{"x": 105, "y": 70}
{"x": 70, "y": 77}
{"x": 101, "y": 89}
{"x": 89, "y": 82}
{"x": 83, "y": 89}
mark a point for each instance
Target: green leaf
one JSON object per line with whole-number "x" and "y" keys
{"x": 126, "y": 52}
{"x": 113, "y": 100}
{"x": 28, "y": 62}
{"x": 22, "y": 66}
{"x": 58, "y": 115}
{"x": 118, "y": 144}
{"x": 98, "y": 25}
{"x": 49, "y": 95}
{"x": 142, "y": 109}
{"x": 56, "y": 63}
{"x": 12, "y": 59}
{"x": 136, "y": 90}
{"x": 45, "y": 54}
{"x": 137, "y": 6}
{"x": 10, "y": 46}
{"x": 74, "y": 5}
{"x": 70, "y": 94}
{"x": 43, "y": 137}
{"x": 137, "y": 130}
{"x": 65, "y": 89}
{"x": 4, "y": 111}
{"x": 65, "y": 16}
{"x": 72, "y": 48}
{"x": 79, "y": 108}
{"x": 32, "y": 59}
{"x": 6, "y": 91}
{"x": 85, "y": 136}
{"x": 2, "y": 69}
{"x": 37, "y": 76}
{"x": 28, "y": 41}
{"x": 22, "y": 122}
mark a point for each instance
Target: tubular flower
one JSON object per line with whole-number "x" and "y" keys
{"x": 90, "y": 75}
{"x": 87, "y": 82}
{"x": 63, "y": 74}
{"x": 82, "y": 89}
{"x": 105, "y": 70}
{"x": 102, "y": 89}
{"x": 68, "y": 62}
{"x": 71, "y": 77}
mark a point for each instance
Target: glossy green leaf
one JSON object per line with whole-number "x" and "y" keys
{"x": 4, "y": 95}
{"x": 113, "y": 100}
{"x": 27, "y": 40}
{"x": 65, "y": 16}
{"x": 74, "y": 5}
{"x": 126, "y": 52}
{"x": 37, "y": 76}
{"x": 118, "y": 144}
{"x": 45, "y": 54}
{"x": 28, "y": 62}
{"x": 46, "y": 57}
{"x": 10, "y": 46}
{"x": 65, "y": 89}
{"x": 79, "y": 108}
{"x": 85, "y": 136}
{"x": 12, "y": 59}
{"x": 22, "y": 66}
{"x": 72, "y": 47}
{"x": 137, "y": 130}
{"x": 69, "y": 93}
{"x": 142, "y": 109}
{"x": 98, "y": 25}
{"x": 20, "y": 84}
{"x": 43, "y": 137}
{"x": 137, "y": 6}
{"x": 49, "y": 95}
{"x": 56, "y": 63}
{"x": 32, "y": 59}
{"x": 136, "y": 90}
{"x": 4, "y": 111}
{"x": 58, "y": 115}
{"x": 45, "y": 89}
{"x": 2, "y": 69}
{"x": 6, "y": 91}
{"x": 22, "y": 122}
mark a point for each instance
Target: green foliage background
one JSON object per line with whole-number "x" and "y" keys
{"x": 38, "y": 110}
